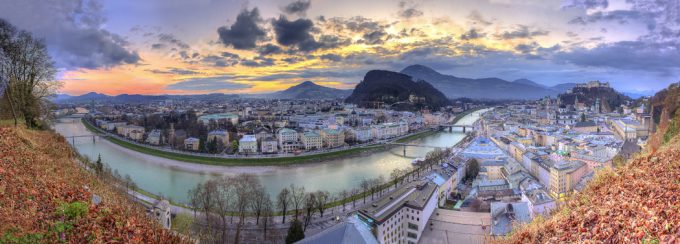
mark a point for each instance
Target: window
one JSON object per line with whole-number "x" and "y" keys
{"x": 412, "y": 235}
{"x": 412, "y": 226}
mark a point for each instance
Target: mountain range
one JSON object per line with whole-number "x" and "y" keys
{"x": 310, "y": 90}
{"x": 483, "y": 88}
{"x": 380, "y": 88}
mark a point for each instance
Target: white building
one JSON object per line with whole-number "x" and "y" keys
{"x": 269, "y": 145}
{"x": 401, "y": 216}
{"x": 247, "y": 144}
{"x": 154, "y": 137}
{"x": 363, "y": 134}
{"x": 311, "y": 140}
{"x": 288, "y": 140}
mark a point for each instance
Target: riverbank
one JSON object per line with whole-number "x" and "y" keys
{"x": 268, "y": 161}
{"x": 220, "y": 161}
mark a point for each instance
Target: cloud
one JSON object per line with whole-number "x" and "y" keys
{"x": 171, "y": 39}
{"x": 477, "y": 18}
{"x": 408, "y": 10}
{"x": 258, "y": 61}
{"x": 626, "y": 55}
{"x": 298, "y": 7}
{"x": 221, "y": 61}
{"x": 268, "y": 49}
{"x": 471, "y": 35}
{"x": 585, "y": 4}
{"x": 331, "y": 57}
{"x": 522, "y": 31}
{"x": 174, "y": 71}
{"x": 73, "y": 31}
{"x": 295, "y": 33}
{"x": 245, "y": 32}
{"x": 207, "y": 84}
{"x": 375, "y": 37}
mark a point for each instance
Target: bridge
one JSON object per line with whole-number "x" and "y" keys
{"x": 73, "y": 138}
{"x": 451, "y": 126}
{"x": 411, "y": 145}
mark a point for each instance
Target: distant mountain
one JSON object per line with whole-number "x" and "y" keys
{"x": 528, "y": 82}
{"x": 135, "y": 98}
{"x": 310, "y": 90}
{"x": 484, "y": 88}
{"x": 400, "y": 91}
{"x": 563, "y": 88}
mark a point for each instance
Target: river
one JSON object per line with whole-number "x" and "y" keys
{"x": 332, "y": 175}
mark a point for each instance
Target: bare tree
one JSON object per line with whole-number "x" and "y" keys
{"x": 365, "y": 185}
{"x": 322, "y": 198}
{"x": 355, "y": 193}
{"x": 343, "y": 198}
{"x": 224, "y": 193}
{"x": 29, "y": 72}
{"x": 310, "y": 202}
{"x": 297, "y": 197}
{"x": 259, "y": 199}
{"x": 282, "y": 201}
{"x": 267, "y": 214}
{"x": 394, "y": 177}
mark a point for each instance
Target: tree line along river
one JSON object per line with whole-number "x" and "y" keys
{"x": 173, "y": 179}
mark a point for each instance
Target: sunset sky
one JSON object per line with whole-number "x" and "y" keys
{"x": 204, "y": 46}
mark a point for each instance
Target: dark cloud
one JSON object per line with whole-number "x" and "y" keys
{"x": 477, "y": 18}
{"x": 157, "y": 46}
{"x": 208, "y": 84}
{"x": 171, "y": 39}
{"x": 585, "y": 4}
{"x": 268, "y": 49}
{"x": 245, "y": 32}
{"x": 73, "y": 31}
{"x": 472, "y": 34}
{"x": 619, "y": 16}
{"x": 174, "y": 71}
{"x": 229, "y": 55}
{"x": 295, "y": 33}
{"x": 258, "y": 61}
{"x": 298, "y": 7}
{"x": 663, "y": 58}
{"x": 375, "y": 37}
{"x": 522, "y": 31}
{"x": 408, "y": 10}
{"x": 221, "y": 61}
{"x": 331, "y": 57}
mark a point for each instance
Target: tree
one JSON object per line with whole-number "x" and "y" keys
{"x": 182, "y": 223}
{"x": 267, "y": 213}
{"x": 234, "y": 146}
{"x": 472, "y": 169}
{"x": 365, "y": 185}
{"x": 282, "y": 201}
{"x": 583, "y": 117}
{"x": 297, "y": 196}
{"x": 309, "y": 205}
{"x": 394, "y": 177}
{"x": 322, "y": 198}
{"x": 354, "y": 194}
{"x": 99, "y": 166}
{"x": 29, "y": 72}
{"x": 295, "y": 232}
{"x": 257, "y": 203}
{"x": 343, "y": 198}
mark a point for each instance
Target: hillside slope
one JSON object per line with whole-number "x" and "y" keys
{"x": 396, "y": 89}
{"x": 637, "y": 203}
{"x": 45, "y": 196}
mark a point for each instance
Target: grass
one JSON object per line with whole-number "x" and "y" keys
{"x": 279, "y": 161}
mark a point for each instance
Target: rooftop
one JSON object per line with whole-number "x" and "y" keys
{"x": 414, "y": 195}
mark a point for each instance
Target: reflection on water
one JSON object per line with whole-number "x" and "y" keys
{"x": 332, "y": 175}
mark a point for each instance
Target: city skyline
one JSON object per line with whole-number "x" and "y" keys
{"x": 182, "y": 47}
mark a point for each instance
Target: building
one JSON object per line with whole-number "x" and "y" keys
{"x": 389, "y": 130}
{"x": 288, "y": 139}
{"x": 221, "y": 118}
{"x": 247, "y": 144}
{"x": 332, "y": 138}
{"x": 192, "y": 143}
{"x": 219, "y": 135}
{"x": 363, "y": 134}
{"x": 401, "y": 216}
{"x": 133, "y": 132}
{"x": 586, "y": 127}
{"x": 540, "y": 203}
{"x": 154, "y": 137}
{"x": 564, "y": 175}
{"x": 311, "y": 140}
{"x": 269, "y": 145}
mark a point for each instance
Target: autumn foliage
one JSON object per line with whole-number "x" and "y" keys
{"x": 638, "y": 203}
{"x": 45, "y": 196}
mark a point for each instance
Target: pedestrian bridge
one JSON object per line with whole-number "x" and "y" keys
{"x": 451, "y": 126}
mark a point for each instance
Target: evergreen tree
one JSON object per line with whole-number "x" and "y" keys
{"x": 295, "y": 233}
{"x": 99, "y": 166}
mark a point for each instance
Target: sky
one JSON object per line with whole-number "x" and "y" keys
{"x": 236, "y": 46}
